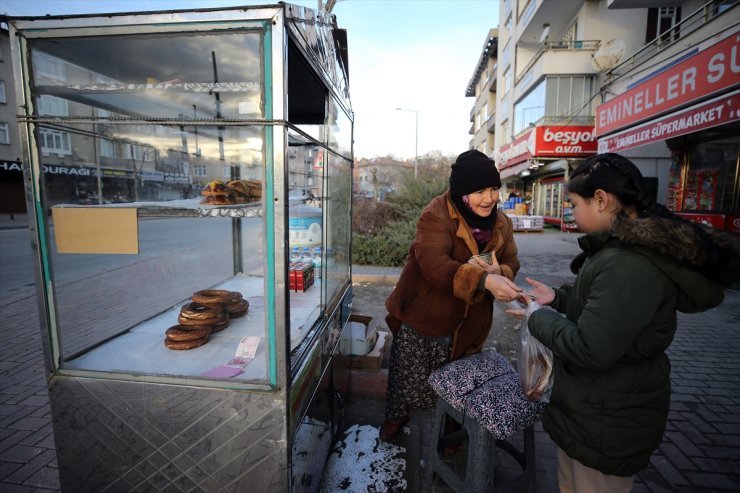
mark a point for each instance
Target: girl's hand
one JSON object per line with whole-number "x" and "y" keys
{"x": 492, "y": 268}
{"x": 541, "y": 293}
{"x": 516, "y": 309}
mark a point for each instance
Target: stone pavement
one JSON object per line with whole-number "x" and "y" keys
{"x": 700, "y": 450}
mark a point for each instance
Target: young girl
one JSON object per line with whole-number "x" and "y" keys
{"x": 640, "y": 263}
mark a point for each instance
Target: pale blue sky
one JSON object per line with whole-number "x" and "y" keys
{"x": 414, "y": 54}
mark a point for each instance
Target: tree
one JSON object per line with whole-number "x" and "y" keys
{"x": 383, "y": 233}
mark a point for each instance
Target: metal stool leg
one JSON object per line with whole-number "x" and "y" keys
{"x": 479, "y": 474}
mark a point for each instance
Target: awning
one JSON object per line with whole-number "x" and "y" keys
{"x": 718, "y": 111}
{"x": 514, "y": 170}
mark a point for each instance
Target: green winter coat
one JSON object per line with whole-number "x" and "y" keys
{"x": 612, "y": 387}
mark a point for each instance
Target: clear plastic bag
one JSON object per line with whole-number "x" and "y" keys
{"x": 535, "y": 362}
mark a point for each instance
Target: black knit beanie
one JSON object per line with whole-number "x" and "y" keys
{"x": 473, "y": 171}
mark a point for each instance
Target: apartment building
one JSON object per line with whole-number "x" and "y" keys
{"x": 552, "y": 57}
{"x": 482, "y": 87}
{"x": 681, "y": 91}
{"x": 12, "y": 198}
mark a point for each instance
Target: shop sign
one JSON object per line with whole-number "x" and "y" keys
{"x": 115, "y": 173}
{"x": 515, "y": 152}
{"x": 714, "y": 220}
{"x": 716, "y": 112}
{"x": 548, "y": 141}
{"x": 711, "y": 70}
{"x": 732, "y": 223}
{"x": 565, "y": 141}
{"x": 66, "y": 170}
{"x": 147, "y": 175}
{"x": 176, "y": 178}
{"x": 10, "y": 166}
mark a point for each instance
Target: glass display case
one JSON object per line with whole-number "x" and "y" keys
{"x": 188, "y": 175}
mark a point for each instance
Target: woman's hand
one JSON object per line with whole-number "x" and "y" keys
{"x": 541, "y": 293}
{"x": 502, "y": 288}
{"x": 492, "y": 268}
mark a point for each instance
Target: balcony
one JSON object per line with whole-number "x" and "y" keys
{"x": 490, "y": 124}
{"x": 694, "y": 28}
{"x": 557, "y": 14}
{"x": 557, "y": 57}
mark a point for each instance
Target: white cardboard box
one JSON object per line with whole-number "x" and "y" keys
{"x": 357, "y": 338}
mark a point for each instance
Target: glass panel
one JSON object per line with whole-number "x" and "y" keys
{"x": 579, "y": 96}
{"x": 564, "y": 91}
{"x": 189, "y": 237}
{"x": 183, "y": 75}
{"x": 340, "y": 130}
{"x": 305, "y": 235}
{"x": 338, "y": 228}
{"x": 130, "y": 300}
{"x": 711, "y": 181}
{"x": 551, "y": 104}
{"x": 530, "y": 108}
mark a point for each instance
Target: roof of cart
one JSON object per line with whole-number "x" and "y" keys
{"x": 231, "y": 10}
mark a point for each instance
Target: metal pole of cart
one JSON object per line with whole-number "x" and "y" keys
{"x": 236, "y": 222}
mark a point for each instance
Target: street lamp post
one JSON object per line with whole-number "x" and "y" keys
{"x": 416, "y": 147}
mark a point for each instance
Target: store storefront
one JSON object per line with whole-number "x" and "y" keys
{"x": 11, "y": 187}
{"x": 694, "y": 107}
{"x": 538, "y": 163}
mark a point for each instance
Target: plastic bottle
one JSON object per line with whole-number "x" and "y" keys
{"x": 317, "y": 261}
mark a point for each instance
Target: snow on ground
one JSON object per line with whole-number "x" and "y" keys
{"x": 361, "y": 463}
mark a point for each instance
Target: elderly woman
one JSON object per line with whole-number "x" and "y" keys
{"x": 463, "y": 256}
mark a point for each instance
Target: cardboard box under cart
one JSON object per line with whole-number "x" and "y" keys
{"x": 361, "y": 347}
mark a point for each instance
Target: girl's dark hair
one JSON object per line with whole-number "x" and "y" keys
{"x": 719, "y": 257}
{"x": 617, "y": 175}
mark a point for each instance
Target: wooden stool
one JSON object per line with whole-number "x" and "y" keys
{"x": 479, "y": 475}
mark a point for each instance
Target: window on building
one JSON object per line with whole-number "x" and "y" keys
{"x": 48, "y": 67}
{"x": 569, "y": 95}
{"x": 201, "y": 170}
{"x": 137, "y": 152}
{"x": 2, "y": 92}
{"x": 54, "y": 142}
{"x": 4, "y": 133}
{"x": 717, "y": 7}
{"x": 106, "y": 148}
{"x": 506, "y": 81}
{"x": 530, "y": 108}
{"x": 662, "y": 21}
{"x": 54, "y": 106}
{"x": 504, "y": 136}
{"x": 558, "y": 96}
{"x": 506, "y": 55}
{"x": 571, "y": 33}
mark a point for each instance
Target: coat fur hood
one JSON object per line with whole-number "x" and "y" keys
{"x": 715, "y": 254}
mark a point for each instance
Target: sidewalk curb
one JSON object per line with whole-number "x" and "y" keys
{"x": 376, "y": 278}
